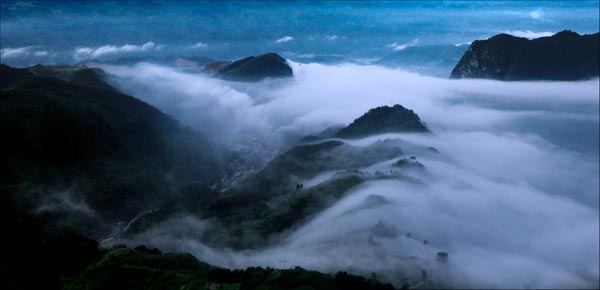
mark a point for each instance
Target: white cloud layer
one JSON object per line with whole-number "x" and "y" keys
{"x": 83, "y": 53}
{"x": 529, "y": 34}
{"x": 200, "y": 45}
{"x": 536, "y": 14}
{"x": 286, "y": 38}
{"x": 508, "y": 196}
{"x": 40, "y": 53}
{"x": 397, "y": 47}
{"x": 26, "y": 51}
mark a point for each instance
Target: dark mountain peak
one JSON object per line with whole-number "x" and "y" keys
{"x": 273, "y": 56}
{"x": 267, "y": 57}
{"x": 504, "y": 37}
{"x": 563, "y": 56}
{"x": 256, "y": 68}
{"x": 505, "y": 43}
{"x": 383, "y": 119}
{"x": 566, "y": 33}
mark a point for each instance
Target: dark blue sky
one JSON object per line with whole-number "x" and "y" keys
{"x": 53, "y": 31}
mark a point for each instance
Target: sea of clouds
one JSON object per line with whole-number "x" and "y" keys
{"x": 512, "y": 195}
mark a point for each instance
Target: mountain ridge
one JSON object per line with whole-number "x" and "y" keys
{"x": 563, "y": 56}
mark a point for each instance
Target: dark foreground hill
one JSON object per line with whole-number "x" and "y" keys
{"x": 124, "y": 268}
{"x": 256, "y": 68}
{"x": 563, "y": 56}
{"x": 37, "y": 258}
{"x": 81, "y": 152}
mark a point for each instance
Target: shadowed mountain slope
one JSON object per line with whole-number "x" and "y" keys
{"x": 83, "y": 148}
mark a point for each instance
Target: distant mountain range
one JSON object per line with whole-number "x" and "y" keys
{"x": 249, "y": 69}
{"x": 563, "y": 56}
{"x": 435, "y": 60}
{"x": 187, "y": 63}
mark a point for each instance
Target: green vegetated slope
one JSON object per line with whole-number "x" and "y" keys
{"x": 42, "y": 259}
{"x": 125, "y": 268}
{"x": 274, "y": 199}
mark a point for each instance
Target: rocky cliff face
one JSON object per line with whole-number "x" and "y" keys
{"x": 563, "y": 56}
